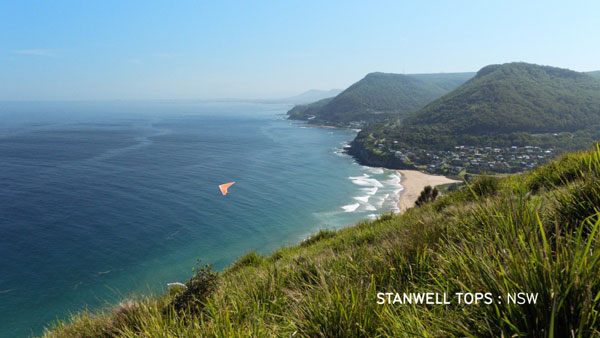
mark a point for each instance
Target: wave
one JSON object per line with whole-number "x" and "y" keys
{"x": 377, "y": 171}
{"x": 370, "y": 207}
{"x": 351, "y": 207}
{"x": 362, "y": 198}
{"x": 394, "y": 179}
{"x": 370, "y": 191}
{"x": 339, "y": 152}
{"x": 381, "y": 199}
{"x": 365, "y": 180}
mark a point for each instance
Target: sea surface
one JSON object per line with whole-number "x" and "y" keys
{"x": 101, "y": 200}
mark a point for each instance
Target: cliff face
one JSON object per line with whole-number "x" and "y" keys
{"x": 366, "y": 157}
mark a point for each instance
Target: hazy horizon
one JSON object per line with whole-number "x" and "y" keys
{"x": 237, "y": 50}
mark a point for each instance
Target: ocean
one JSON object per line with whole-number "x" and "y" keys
{"x": 101, "y": 200}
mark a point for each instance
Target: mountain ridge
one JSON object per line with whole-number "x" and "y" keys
{"x": 513, "y": 104}
{"x": 379, "y": 96}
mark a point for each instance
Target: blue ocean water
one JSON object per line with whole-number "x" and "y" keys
{"x": 99, "y": 200}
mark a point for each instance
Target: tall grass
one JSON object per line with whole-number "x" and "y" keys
{"x": 538, "y": 233}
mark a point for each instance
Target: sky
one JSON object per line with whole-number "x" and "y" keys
{"x": 107, "y": 50}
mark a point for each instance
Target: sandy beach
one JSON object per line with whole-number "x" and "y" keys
{"x": 413, "y": 182}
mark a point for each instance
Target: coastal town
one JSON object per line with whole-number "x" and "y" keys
{"x": 473, "y": 159}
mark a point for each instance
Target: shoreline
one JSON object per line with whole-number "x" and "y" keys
{"x": 413, "y": 182}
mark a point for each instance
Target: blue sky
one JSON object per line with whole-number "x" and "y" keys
{"x": 78, "y": 50}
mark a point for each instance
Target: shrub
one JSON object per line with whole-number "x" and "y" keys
{"x": 428, "y": 195}
{"x": 485, "y": 186}
{"x": 385, "y": 217}
{"x": 199, "y": 287}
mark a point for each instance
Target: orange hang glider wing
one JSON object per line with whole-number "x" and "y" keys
{"x": 224, "y": 187}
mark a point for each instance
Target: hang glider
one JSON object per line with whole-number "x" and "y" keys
{"x": 224, "y": 187}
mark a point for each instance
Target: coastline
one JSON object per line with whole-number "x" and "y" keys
{"x": 413, "y": 182}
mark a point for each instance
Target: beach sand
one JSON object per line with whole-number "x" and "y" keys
{"x": 413, "y": 182}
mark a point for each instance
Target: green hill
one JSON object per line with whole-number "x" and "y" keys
{"x": 514, "y": 104}
{"x": 516, "y": 97}
{"x": 536, "y": 233}
{"x": 379, "y": 96}
{"x": 446, "y": 81}
{"x": 307, "y": 112}
{"x": 595, "y": 74}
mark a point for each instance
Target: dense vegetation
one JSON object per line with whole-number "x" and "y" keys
{"x": 446, "y": 81}
{"x": 536, "y": 232}
{"x": 515, "y": 97}
{"x": 379, "y": 96}
{"x": 515, "y": 104}
{"x": 305, "y": 112}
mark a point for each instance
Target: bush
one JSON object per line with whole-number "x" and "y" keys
{"x": 485, "y": 186}
{"x": 385, "y": 217}
{"x": 428, "y": 195}
{"x": 199, "y": 287}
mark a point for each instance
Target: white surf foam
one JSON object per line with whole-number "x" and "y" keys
{"x": 351, "y": 207}
{"x": 339, "y": 152}
{"x": 365, "y": 180}
{"x": 377, "y": 171}
{"x": 370, "y": 207}
{"x": 381, "y": 199}
{"x": 370, "y": 191}
{"x": 362, "y": 198}
{"x": 394, "y": 179}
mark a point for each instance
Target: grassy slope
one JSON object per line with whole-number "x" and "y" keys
{"x": 533, "y": 232}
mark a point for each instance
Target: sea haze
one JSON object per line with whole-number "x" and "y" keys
{"x": 102, "y": 199}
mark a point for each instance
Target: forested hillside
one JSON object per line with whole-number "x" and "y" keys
{"x": 515, "y": 104}
{"x": 515, "y": 97}
{"x": 595, "y": 74}
{"x": 377, "y": 97}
